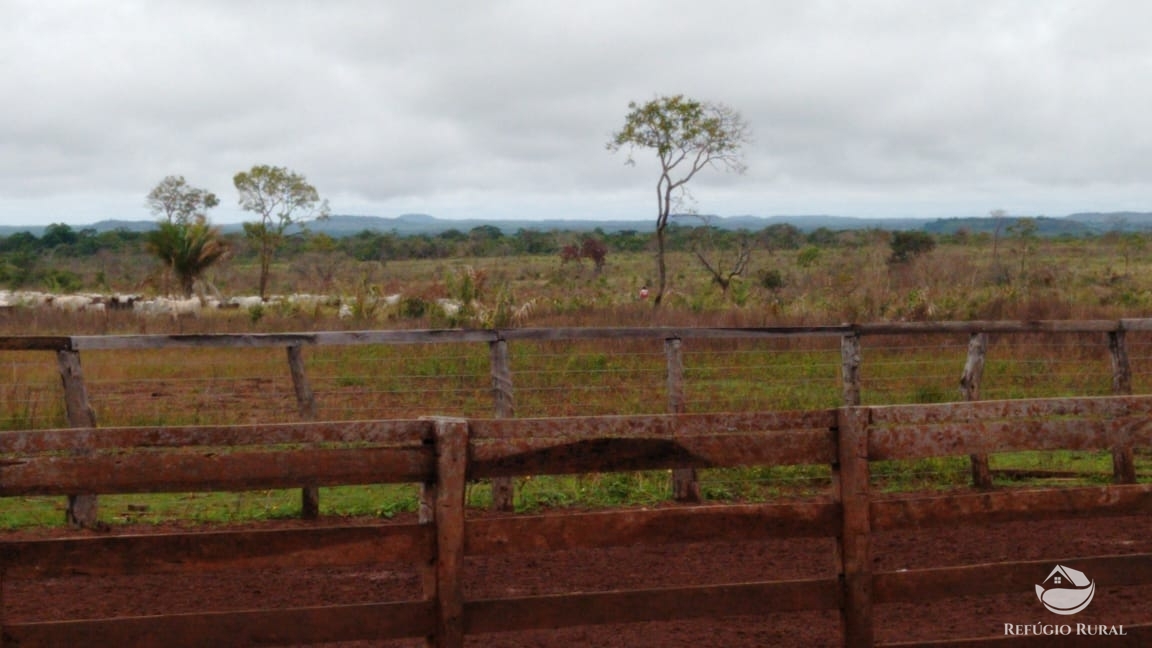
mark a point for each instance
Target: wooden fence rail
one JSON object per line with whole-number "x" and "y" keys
{"x": 82, "y": 510}
{"x": 444, "y": 453}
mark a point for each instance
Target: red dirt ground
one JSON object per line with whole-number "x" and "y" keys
{"x": 650, "y": 567}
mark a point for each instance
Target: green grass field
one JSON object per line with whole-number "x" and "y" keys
{"x": 851, "y": 283}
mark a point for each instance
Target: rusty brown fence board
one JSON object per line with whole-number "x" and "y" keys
{"x": 441, "y": 336}
{"x": 652, "y": 425}
{"x": 215, "y": 340}
{"x": 445, "y": 452}
{"x": 999, "y": 578}
{"x": 562, "y": 532}
{"x": 216, "y": 550}
{"x": 294, "y": 341}
{"x": 561, "y": 611}
{"x": 257, "y": 340}
{"x": 398, "y": 432}
{"x": 1011, "y": 505}
{"x": 255, "y": 627}
{"x": 545, "y": 456}
{"x": 35, "y": 343}
{"x": 990, "y": 326}
{"x": 186, "y": 472}
{"x": 991, "y": 410}
{"x": 503, "y": 406}
{"x": 944, "y": 439}
{"x": 451, "y": 466}
{"x": 851, "y": 476}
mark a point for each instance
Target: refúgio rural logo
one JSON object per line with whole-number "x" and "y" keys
{"x": 1066, "y": 591}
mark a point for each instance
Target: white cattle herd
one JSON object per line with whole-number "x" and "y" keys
{"x": 177, "y": 307}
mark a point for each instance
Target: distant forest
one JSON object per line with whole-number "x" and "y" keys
{"x": 63, "y": 258}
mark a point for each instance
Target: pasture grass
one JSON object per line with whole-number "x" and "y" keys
{"x": 850, "y": 283}
{"x": 535, "y": 494}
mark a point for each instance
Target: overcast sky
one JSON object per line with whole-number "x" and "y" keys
{"x": 503, "y": 108}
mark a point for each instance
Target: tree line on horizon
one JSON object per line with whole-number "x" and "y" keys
{"x": 65, "y": 259}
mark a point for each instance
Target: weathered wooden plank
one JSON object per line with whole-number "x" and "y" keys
{"x": 415, "y": 336}
{"x": 970, "y": 388}
{"x": 555, "y": 457}
{"x": 398, "y": 432}
{"x": 305, "y": 398}
{"x": 1011, "y": 409}
{"x": 451, "y": 464}
{"x": 998, "y": 578}
{"x": 685, "y": 485}
{"x": 35, "y": 343}
{"x": 939, "y": 440}
{"x": 435, "y": 336}
{"x": 186, "y": 472}
{"x": 1136, "y": 324}
{"x": 746, "y": 522}
{"x": 76, "y": 405}
{"x": 426, "y": 516}
{"x": 213, "y": 340}
{"x": 850, "y": 370}
{"x": 248, "y": 628}
{"x": 1138, "y": 635}
{"x": 855, "y": 542}
{"x": 83, "y": 508}
{"x": 582, "y": 427}
{"x": 974, "y": 366}
{"x": 1123, "y": 459}
{"x": 1121, "y": 368}
{"x": 1009, "y": 506}
{"x": 306, "y": 402}
{"x": 660, "y": 333}
{"x": 561, "y": 611}
{"x": 253, "y": 340}
{"x": 503, "y": 406}
{"x": 989, "y": 326}
{"x": 216, "y": 550}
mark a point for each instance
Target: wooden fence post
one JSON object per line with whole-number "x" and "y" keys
{"x": 970, "y": 389}
{"x": 685, "y": 485}
{"x": 426, "y": 514}
{"x": 306, "y": 400}
{"x": 504, "y": 406}
{"x": 851, "y": 475}
{"x": 850, "y": 369}
{"x": 83, "y": 510}
{"x": 451, "y": 438}
{"x": 1123, "y": 459}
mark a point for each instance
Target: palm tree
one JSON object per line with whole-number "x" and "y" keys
{"x": 187, "y": 249}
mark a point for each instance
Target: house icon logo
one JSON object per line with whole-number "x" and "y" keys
{"x": 1066, "y": 591}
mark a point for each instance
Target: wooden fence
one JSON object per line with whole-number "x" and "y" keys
{"x": 82, "y": 510}
{"x": 444, "y": 453}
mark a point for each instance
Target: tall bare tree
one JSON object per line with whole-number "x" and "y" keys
{"x": 688, "y": 136}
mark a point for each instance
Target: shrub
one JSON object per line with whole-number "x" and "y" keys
{"x": 909, "y": 245}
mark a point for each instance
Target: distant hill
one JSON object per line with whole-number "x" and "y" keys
{"x": 409, "y": 224}
{"x": 1044, "y": 226}
{"x": 131, "y": 226}
{"x": 1122, "y": 221}
{"x": 340, "y": 225}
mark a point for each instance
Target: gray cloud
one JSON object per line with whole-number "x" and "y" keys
{"x": 896, "y": 107}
